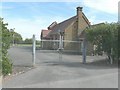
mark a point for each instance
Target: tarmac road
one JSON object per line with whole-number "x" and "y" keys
{"x": 50, "y": 72}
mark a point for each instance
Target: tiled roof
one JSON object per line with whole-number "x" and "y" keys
{"x": 85, "y": 18}
{"x": 63, "y": 25}
{"x": 54, "y": 27}
{"x": 44, "y": 33}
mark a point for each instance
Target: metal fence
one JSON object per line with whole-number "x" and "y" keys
{"x": 61, "y": 50}
{"x": 50, "y": 51}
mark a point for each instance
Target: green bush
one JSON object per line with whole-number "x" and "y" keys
{"x": 6, "y": 66}
{"x": 4, "y": 46}
{"x": 105, "y": 38}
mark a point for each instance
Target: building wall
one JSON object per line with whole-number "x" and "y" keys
{"x": 76, "y": 45}
{"x": 71, "y": 36}
{"x": 46, "y": 44}
{"x": 55, "y": 44}
{"x": 82, "y": 25}
{"x": 68, "y": 37}
{"x": 72, "y": 33}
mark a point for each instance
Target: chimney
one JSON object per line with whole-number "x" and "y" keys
{"x": 79, "y": 11}
{"x": 79, "y": 8}
{"x": 79, "y": 18}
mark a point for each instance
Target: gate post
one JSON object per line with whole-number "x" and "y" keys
{"x": 60, "y": 44}
{"x": 84, "y": 51}
{"x": 33, "y": 50}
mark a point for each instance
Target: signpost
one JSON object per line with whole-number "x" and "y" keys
{"x": 33, "y": 51}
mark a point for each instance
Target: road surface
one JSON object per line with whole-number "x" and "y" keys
{"x": 50, "y": 72}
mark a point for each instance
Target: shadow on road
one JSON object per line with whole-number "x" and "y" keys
{"x": 23, "y": 57}
{"x": 101, "y": 64}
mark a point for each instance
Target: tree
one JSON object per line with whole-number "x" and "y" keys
{"x": 105, "y": 38}
{"x": 5, "y": 45}
{"x": 28, "y": 41}
{"x": 16, "y": 38}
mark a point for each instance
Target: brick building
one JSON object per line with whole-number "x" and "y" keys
{"x": 72, "y": 29}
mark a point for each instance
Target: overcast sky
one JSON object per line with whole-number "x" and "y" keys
{"x": 30, "y": 17}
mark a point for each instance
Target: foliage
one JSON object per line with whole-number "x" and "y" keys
{"x": 5, "y": 43}
{"x": 118, "y": 40}
{"x": 38, "y": 42}
{"x": 28, "y": 41}
{"x": 0, "y": 47}
{"x": 6, "y": 66}
{"x": 16, "y": 38}
{"x": 105, "y": 38}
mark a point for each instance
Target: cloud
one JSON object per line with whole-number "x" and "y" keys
{"x": 98, "y": 11}
{"x": 6, "y": 7}
{"x": 41, "y": 0}
{"x": 28, "y": 27}
{"x": 25, "y": 27}
{"x": 2, "y": 7}
{"x": 119, "y": 12}
{"x": 33, "y": 25}
{"x": 109, "y": 6}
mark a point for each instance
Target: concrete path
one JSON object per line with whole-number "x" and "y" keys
{"x": 69, "y": 72}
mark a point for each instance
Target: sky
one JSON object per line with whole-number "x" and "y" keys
{"x": 30, "y": 17}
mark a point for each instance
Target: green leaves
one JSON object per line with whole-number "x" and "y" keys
{"x": 105, "y": 37}
{"x": 28, "y": 41}
{"x": 6, "y": 38}
{"x": 5, "y": 45}
{"x": 15, "y": 36}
